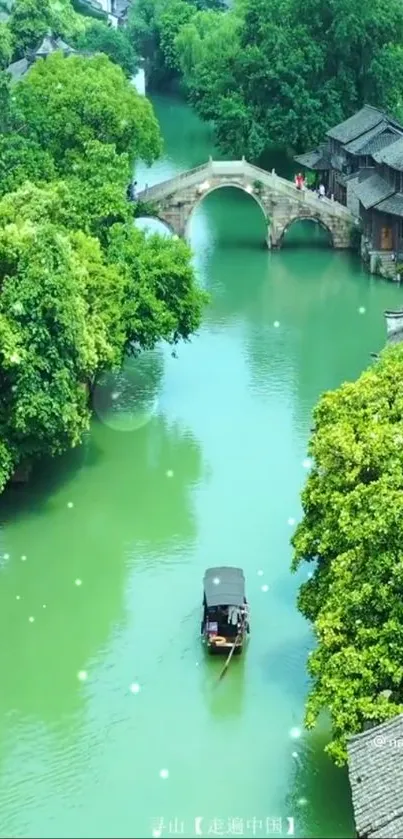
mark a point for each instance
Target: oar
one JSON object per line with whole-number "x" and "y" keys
{"x": 226, "y": 665}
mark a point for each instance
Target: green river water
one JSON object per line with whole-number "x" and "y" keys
{"x": 192, "y": 461}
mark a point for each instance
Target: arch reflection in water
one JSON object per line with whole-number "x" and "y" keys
{"x": 238, "y": 198}
{"x": 306, "y": 233}
{"x": 232, "y": 219}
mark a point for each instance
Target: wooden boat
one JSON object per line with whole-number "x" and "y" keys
{"x": 225, "y": 622}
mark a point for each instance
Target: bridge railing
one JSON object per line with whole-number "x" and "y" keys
{"x": 159, "y": 190}
{"x": 288, "y": 186}
{"x": 235, "y": 168}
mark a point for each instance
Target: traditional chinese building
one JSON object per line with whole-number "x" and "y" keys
{"x": 114, "y": 10}
{"x": 361, "y": 163}
{"x": 375, "y": 768}
{"x": 47, "y": 46}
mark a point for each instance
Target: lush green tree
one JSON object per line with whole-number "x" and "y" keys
{"x": 79, "y": 286}
{"x": 29, "y": 22}
{"x": 113, "y": 42}
{"x": 163, "y": 301}
{"x": 97, "y": 185}
{"x": 61, "y": 324}
{"x": 52, "y": 355}
{"x": 352, "y": 532}
{"x": 90, "y": 205}
{"x": 5, "y": 103}
{"x": 6, "y": 45}
{"x": 22, "y": 159}
{"x": 63, "y": 103}
{"x": 152, "y": 27}
{"x": 281, "y": 78}
{"x": 71, "y": 308}
{"x": 143, "y": 29}
{"x": 64, "y": 20}
{"x": 171, "y": 20}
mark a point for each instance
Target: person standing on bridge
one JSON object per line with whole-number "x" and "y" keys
{"x": 299, "y": 181}
{"x": 322, "y": 191}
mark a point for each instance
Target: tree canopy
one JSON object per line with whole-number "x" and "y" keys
{"x": 6, "y": 46}
{"x": 30, "y": 20}
{"x": 352, "y": 533}
{"x": 112, "y": 42}
{"x": 63, "y": 103}
{"x": 271, "y": 73}
{"x": 80, "y": 286}
{"x": 153, "y": 26}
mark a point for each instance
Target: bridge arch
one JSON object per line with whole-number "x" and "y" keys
{"x": 228, "y": 185}
{"x": 159, "y": 217}
{"x": 315, "y": 219}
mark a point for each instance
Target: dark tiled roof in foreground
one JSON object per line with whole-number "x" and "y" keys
{"x": 373, "y": 141}
{"x": 392, "y": 155}
{"x": 17, "y": 69}
{"x": 316, "y": 159}
{"x": 394, "y": 206}
{"x": 355, "y": 146}
{"x": 372, "y": 189}
{"x": 361, "y": 122}
{"x": 50, "y": 45}
{"x": 376, "y": 778}
{"x": 380, "y": 142}
{"x": 365, "y": 120}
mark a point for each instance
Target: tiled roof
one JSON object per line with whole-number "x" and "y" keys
{"x": 392, "y": 155}
{"x": 361, "y": 122}
{"x": 371, "y": 188}
{"x": 18, "y": 68}
{"x": 376, "y": 779}
{"x": 51, "y": 44}
{"x": 374, "y": 140}
{"x": 380, "y": 142}
{"x": 61, "y": 45}
{"x": 47, "y": 46}
{"x": 316, "y": 159}
{"x": 392, "y": 205}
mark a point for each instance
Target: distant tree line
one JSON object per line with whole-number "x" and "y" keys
{"x": 274, "y": 72}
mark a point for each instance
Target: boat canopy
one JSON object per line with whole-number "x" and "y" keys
{"x": 224, "y": 586}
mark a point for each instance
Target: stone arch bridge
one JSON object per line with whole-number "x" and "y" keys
{"x": 174, "y": 200}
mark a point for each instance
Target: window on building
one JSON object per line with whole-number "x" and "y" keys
{"x": 396, "y": 180}
{"x": 400, "y": 228}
